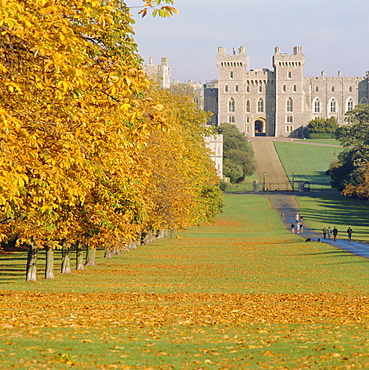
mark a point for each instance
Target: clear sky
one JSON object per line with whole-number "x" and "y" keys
{"x": 334, "y": 35}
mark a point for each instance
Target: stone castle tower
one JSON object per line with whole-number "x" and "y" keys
{"x": 159, "y": 72}
{"x": 281, "y": 102}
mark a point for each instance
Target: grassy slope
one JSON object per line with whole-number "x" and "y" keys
{"x": 308, "y": 162}
{"x": 320, "y": 141}
{"x": 242, "y": 292}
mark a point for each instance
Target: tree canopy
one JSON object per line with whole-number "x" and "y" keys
{"x": 348, "y": 173}
{"x": 79, "y": 124}
{"x": 237, "y": 153}
{"x": 322, "y": 126}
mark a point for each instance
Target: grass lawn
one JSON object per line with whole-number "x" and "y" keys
{"x": 245, "y": 185}
{"x": 336, "y": 210}
{"x": 319, "y": 141}
{"x": 240, "y": 293}
{"x": 307, "y": 162}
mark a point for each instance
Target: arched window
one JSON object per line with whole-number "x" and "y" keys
{"x": 260, "y": 105}
{"x": 289, "y": 105}
{"x": 332, "y": 105}
{"x": 364, "y": 101}
{"x": 248, "y": 106}
{"x": 231, "y": 105}
{"x": 349, "y": 104}
{"x": 316, "y": 105}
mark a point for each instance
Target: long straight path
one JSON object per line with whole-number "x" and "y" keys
{"x": 272, "y": 175}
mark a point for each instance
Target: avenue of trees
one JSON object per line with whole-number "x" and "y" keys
{"x": 238, "y": 157}
{"x": 350, "y": 174}
{"x": 91, "y": 153}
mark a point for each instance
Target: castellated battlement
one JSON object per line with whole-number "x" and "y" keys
{"x": 232, "y": 60}
{"x": 297, "y": 59}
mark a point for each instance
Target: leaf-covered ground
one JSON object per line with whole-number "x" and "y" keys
{"x": 240, "y": 293}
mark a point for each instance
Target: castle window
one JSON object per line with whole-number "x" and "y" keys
{"x": 236, "y": 88}
{"x": 289, "y": 105}
{"x": 231, "y": 74}
{"x": 247, "y": 88}
{"x": 231, "y": 119}
{"x": 289, "y": 119}
{"x": 260, "y": 88}
{"x": 284, "y": 88}
{"x": 350, "y": 89}
{"x": 247, "y": 105}
{"x": 289, "y": 128}
{"x": 316, "y": 105}
{"x": 247, "y": 119}
{"x": 332, "y": 88}
{"x": 260, "y": 105}
{"x": 225, "y": 88}
{"x": 231, "y": 105}
{"x": 317, "y": 89}
{"x": 332, "y": 105}
{"x": 349, "y": 104}
{"x": 364, "y": 101}
{"x": 294, "y": 88}
{"x": 289, "y": 74}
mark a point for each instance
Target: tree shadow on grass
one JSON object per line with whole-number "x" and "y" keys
{"x": 13, "y": 267}
{"x": 327, "y": 253}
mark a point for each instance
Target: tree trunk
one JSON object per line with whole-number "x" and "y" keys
{"x": 65, "y": 267}
{"x": 31, "y": 274}
{"x": 79, "y": 257}
{"x": 107, "y": 253}
{"x": 116, "y": 251}
{"x": 90, "y": 257}
{"x": 49, "y": 266}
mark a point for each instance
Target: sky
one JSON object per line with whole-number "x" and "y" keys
{"x": 334, "y": 35}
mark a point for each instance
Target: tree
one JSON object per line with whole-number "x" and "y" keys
{"x": 73, "y": 114}
{"x": 323, "y": 127}
{"x": 76, "y": 116}
{"x": 183, "y": 188}
{"x": 237, "y": 153}
{"x": 351, "y": 167}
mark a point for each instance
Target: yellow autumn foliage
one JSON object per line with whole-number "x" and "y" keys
{"x": 75, "y": 119}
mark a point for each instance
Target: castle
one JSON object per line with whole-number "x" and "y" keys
{"x": 280, "y": 102}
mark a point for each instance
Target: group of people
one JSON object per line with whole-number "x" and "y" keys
{"x": 299, "y": 226}
{"x": 329, "y": 232}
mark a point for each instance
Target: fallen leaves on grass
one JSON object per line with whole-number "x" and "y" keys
{"x": 101, "y": 309}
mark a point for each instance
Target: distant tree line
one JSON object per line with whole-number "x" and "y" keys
{"x": 350, "y": 173}
{"x": 238, "y": 157}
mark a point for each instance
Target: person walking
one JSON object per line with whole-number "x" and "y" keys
{"x": 349, "y": 233}
{"x": 297, "y": 218}
{"x": 292, "y": 228}
{"x": 324, "y": 232}
{"x": 329, "y": 232}
{"x": 335, "y": 233}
